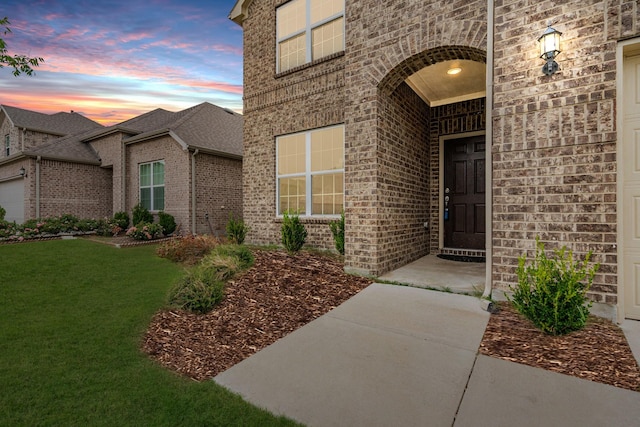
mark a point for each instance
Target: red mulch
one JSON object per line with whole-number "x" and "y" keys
{"x": 598, "y": 352}
{"x": 279, "y": 294}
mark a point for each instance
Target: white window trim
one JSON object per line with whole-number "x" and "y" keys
{"x": 308, "y": 174}
{"x": 152, "y": 186}
{"x": 307, "y": 30}
{"x": 7, "y": 145}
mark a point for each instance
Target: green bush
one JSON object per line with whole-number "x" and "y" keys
{"x": 146, "y": 231}
{"x": 167, "y": 221}
{"x": 121, "y": 219}
{"x": 141, "y": 215}
{"x": 203, "y": 287}
{"x": 3, "y": 212}
{"x": 236, "y": 230}
{"x": 552, "y": 292}
{"x": 337, "y": 229}
{"x": 293, "y": 233}
{"x": 198, "y": 291}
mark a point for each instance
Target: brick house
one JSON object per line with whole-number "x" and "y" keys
{"x": 187, "y": 163}
{"x": 432, "y": 125}
{"x": 23, "y": 131}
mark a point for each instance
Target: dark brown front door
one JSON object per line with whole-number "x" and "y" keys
{"x": 464, "y": 181}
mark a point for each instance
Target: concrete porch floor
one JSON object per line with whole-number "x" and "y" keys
{"x": 433, "y": 272}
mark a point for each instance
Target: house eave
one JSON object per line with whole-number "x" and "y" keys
{"x": 62, "y": 159}
{"x": 110, "y": 131}
{"x": 212, "y": 152}
{"x": 239, "y": 12}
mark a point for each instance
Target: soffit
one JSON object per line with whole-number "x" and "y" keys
{"x": 436, "y": 87}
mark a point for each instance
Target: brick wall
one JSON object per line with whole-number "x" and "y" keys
{"x": 554, "y": 148}
{"x": 19, "y": 140}
{"x": 72, "y": 188}
{"x": 218, "y": 192}
{"x": 307, "y": 98}
{"x": 176, "y": 176}
{"x": 109, "y": 150}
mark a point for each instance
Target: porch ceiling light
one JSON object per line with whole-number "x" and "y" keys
{"x": 453, "y": 71}
{"x": 549, "y": 43}
{"x": 22, "y": 171}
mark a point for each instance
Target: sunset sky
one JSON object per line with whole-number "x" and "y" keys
{"x": 115, "y": 59}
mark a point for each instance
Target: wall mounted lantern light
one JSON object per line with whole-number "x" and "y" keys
{"x": 549, "y": 43}
{"x": 22, "y": 172}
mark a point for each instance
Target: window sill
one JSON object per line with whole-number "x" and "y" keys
{"x": 309, "y": 64}
{"x": 325, "y": 219}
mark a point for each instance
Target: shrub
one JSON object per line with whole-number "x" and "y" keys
{"x": 198, "y": 291}
{"x": 241, "y": 253}
{"x": 3, "y": 212}
{"x": 189, "y": 249}
{"x": 167, "y": 221}
{"x": 236, "y": 230}
{"x": 121, "y": 219}
{"x": 141, "y": 215}
{"x": 337, "y": 229}
{"x": 552, "y": 292}
{"x": 146, "y": 231}
{"x": 293, "y": 233}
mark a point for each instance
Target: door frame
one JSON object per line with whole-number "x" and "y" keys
{"x": 621, "y": 315}
{"x": 442, "y": 140}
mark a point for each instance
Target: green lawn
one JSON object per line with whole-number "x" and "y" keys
{"x": 72, "y": 316}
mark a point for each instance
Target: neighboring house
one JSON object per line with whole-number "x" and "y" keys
{"x": 433, "y": 126}
{"x": 188, "y": 164}
{"x": 23, "y": 130}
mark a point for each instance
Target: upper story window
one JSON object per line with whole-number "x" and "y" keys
{"x": 310, "y": 172}
{"x": 308, "y": 30}
{"x": 152, "y": 185}
{"x": 7, "y": 145}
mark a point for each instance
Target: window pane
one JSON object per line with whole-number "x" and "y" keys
{"x": 291, "y": 154}
{"x": 327, "y": 39}
{"x": 292, "y": 195}
{"x": 158, "y": 173}
{"x": 158, "y": 198}
{"x": 327, "y": 149}
{"x": 291, "y": 18}
{"x": 145, "y": 175}
{"x": 323, "y": 9}
{"x": 328, "y": 193}
{"x": 145, "y": 198}
{"x": 292, "y": 52}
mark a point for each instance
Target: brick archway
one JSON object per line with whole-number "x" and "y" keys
{"x": 415, "y": 63}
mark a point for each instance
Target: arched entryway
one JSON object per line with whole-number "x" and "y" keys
{"x": 431, "y": 129}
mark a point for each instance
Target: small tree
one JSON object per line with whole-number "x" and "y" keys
{"x": 236, "y": 230}
{"x": 552, "y": 292}
{"x": 19, "y": 63}
{"x": 167, "y": 221}
{"x": 293, "y": 233}
{"x": 337, "y": 229}
{"x": 141, "y": 215}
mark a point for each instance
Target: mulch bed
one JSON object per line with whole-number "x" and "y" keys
{"x": 281, "y": 293}
{"x": 278, "y": 295}
{"x": 599, "y": 352}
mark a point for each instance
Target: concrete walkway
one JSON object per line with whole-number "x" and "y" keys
{"x": 433, "y": 272}
{"x": 400, "y": 356}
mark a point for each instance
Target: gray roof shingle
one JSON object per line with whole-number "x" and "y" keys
{"x": 204, "y": 126}
{"x": 55, "y": 124}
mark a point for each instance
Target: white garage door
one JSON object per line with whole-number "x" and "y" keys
{"x": 12, "y": 200}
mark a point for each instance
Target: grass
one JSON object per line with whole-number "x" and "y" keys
{"x": 72, "y": 316}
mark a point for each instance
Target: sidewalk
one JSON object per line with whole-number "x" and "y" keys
{"x": 400, "y": 356}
